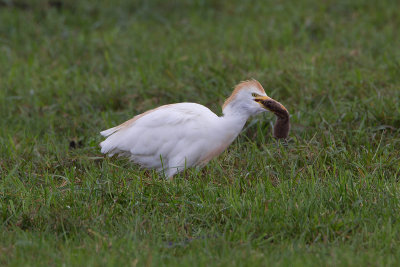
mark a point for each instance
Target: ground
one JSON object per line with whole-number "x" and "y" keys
{"x": 329, "y": 196}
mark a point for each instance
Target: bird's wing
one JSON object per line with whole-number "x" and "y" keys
{"x": 159, "y": 132}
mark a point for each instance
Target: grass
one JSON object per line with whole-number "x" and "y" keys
{"x": 330, "y": 196}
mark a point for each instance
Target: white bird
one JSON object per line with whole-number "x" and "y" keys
{"x": 173, "y": 137}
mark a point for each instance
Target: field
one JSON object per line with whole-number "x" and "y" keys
{"x": 328, "y": 196}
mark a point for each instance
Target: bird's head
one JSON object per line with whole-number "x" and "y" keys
{"x": 249, "y": 98}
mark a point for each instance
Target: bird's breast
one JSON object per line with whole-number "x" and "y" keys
{"x": 215, "y": 149}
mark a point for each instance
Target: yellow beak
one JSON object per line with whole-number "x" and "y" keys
{"x": 262, "y": 98}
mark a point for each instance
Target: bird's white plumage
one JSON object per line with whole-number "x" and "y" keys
{"x": 169, "y": 137}
{"x": 177, "y": 136}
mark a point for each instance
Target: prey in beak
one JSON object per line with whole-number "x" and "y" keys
{"x": 272, "y": 105}
{"x": 282, "y": 125}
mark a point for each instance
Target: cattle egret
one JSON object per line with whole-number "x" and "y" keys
{"x": 173, "y": 137}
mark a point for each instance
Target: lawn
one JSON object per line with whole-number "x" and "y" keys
{"x": 328, "y": 196}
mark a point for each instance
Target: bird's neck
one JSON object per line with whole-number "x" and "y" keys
{"x": 233, "y": 121}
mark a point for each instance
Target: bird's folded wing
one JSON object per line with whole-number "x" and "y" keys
{"x": 158, "y": 132}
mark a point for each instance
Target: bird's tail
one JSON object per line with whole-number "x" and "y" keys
{"x": 109, "y": 145}
{"x": 109, "y": 132}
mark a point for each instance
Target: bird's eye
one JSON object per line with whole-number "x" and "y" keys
{"x": 255, "y": 95}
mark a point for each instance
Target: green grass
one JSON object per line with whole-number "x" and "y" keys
{"x": 330, "y": 196}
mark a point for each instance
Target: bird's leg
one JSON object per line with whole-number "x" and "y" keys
{"x": 169, "y": 174}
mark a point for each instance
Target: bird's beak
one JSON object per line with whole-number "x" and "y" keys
{"x": 272, "y": 105}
